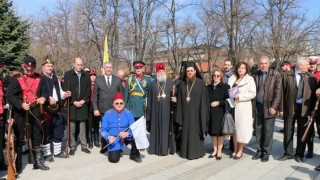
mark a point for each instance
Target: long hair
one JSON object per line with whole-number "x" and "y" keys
{"x": 238, "y": 66}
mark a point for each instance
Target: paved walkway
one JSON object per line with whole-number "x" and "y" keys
{"x": 95, "y": 166}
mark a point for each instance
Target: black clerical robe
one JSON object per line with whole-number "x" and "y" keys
{"x": 160, "y": 124}
{"x": 193, "y": 117}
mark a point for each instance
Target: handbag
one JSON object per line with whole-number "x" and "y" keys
{"x": 228, "y": 125}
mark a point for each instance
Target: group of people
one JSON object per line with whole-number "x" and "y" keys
{"x": 179, "y": 113}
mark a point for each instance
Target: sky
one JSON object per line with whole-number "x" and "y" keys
{"x": 33, "y": 7}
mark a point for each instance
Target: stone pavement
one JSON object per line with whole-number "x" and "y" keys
{"x": 96, "y": 166}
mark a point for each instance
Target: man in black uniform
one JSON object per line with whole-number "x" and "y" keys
{"x": 54, "y": 126}
{"x": 26, "y": 93}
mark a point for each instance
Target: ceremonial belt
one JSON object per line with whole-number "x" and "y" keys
{"x": 136, "y": 94}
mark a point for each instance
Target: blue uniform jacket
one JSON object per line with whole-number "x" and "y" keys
{"x": 113, "y": 123}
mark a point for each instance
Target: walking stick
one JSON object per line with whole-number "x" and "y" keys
{"x": 68, "y": 124}
{"x": 311, "y": 121}
{"x": 116, "y": 137}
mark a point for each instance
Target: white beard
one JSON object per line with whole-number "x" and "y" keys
{"x": 162, "y": 78}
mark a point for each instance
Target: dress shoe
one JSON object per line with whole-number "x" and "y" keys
{"x": 257, "y": 155}
{"x": 317, "y": 168}
{"x": 281, "y": 131}
{"x": 211, "y": 156}
{"x": 237, "y": 158}
{"x": 264, "y": 158}
{"x": 218, "y": 158}
{"x": 61, "y": 155}
{"x": 298, "y": 158}
{"x": 71, "y": 152}
{"x": 102, "y": 151}
{"x": 136, "y": 159}
{"x": 232, "y": 156}
{"x": 49, "y": 158}
{"x": 285, "y": 157}
{"x": 86, "y": 150}
{"x": 309, "y": 155}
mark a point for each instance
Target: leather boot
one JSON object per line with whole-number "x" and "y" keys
{"x": 96, "y": 139}
{"x": 19, "y": 159}
{"x": 310, "y": 147}
{"x": 38, "y": 164}
{"x": 90, "y": 142}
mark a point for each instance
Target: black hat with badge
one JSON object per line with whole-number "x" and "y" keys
{"x": 29, "y": 63}
{"x": 138, "y": 64}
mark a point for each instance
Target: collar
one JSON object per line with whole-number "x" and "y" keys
{"x": 51, "y": 75}
{"x": 80, "y": 72}
{"x": 140, "y": 76}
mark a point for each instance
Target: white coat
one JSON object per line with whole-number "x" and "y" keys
{"x": 243, "y": 109}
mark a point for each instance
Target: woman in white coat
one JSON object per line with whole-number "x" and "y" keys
{"x": 243, "y": 110}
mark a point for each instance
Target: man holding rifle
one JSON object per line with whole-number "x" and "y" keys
{"x": 298, "y": 100}
{"x": 114, "y": 128}
{"x": 26, "y": 93}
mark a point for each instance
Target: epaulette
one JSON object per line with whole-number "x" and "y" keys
{"x": 127, "y": 111}
{"x": 147, "y": 76}
{"x": 109, "y": 111}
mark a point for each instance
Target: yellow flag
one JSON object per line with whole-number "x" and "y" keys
{"x": 105, "y": 54}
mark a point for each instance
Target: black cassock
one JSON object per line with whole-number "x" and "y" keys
{"x": 193, "y": 117}
{"x": 159, "y": 121}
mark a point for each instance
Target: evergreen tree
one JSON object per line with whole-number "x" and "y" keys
{"x": 14, "y": 41}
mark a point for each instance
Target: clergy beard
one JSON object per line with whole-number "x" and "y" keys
{"x": 162, "y": 78}
{"x": 190, "y": 79}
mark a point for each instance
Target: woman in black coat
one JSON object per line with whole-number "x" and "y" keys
{"x": 218, "y": 93}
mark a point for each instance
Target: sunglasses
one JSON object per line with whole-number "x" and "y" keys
{"x": 216, "y": 75}
{"x": 119, "y": 103}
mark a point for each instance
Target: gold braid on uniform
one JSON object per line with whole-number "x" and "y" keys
{"x": 131, "y": 85}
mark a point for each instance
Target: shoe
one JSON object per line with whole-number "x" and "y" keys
{"x": 309, "y": 155}
{"x": 86, "y": 150}
{"x": 264, "y": 158}
{"x": 257, "y": 155}
{"x": 102, "y": 151}
{"x": 317, "y": 168}
{"x": 71, "y": 152}
{"x": 285, "y": 157}
{"x": 281, "y": 131}
{"x": 237, "y": 158}
{"x": 90, "y": 145}
{"x": 61, "y": 155}
{"x": 232, "y": 156}
{"x": 49, "y": 158}
{"x": 211, "y": 156}
{"x": 136, "y": 159}
{"x": 298, "y": 158}
{"x": 218, "y": 158}
{"x": 38, "y": 164}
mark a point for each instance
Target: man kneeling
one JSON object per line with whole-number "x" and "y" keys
{"x": 114, "y": 123}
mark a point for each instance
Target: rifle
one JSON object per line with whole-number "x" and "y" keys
{"x": 11, "y": 171}
{"x": 27, "y": 136}
{"x": 68, "y": 124}
{"x": 311, "y": 121}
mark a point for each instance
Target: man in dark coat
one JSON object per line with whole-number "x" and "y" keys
{"x": 298, "y": 100}
{"x": 159, "y": 122}
{"x": 26, "y": 92}
{"x": 268, "y": 83}
{"x": 78, "y": 82}
{"x": 192, "y": 113}
{"x": 106, "y": 86}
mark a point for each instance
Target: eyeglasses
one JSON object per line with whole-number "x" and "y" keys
{"x": 119, "y": 103}
{"x": 216, "y": 75}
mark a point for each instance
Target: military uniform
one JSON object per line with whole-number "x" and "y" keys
{"x": 18, "y": 93}
{"x": 135, "y": 94}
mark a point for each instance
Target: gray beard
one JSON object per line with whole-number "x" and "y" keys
{"x": 162, "y": 78}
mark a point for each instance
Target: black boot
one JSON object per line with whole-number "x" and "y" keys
{"x": 310, "y": 148}
{"x": 96, "y": 139}
{"x": 19, "y": 159}
{"x": 90, "y": 142}
{"x": 38, "y": 164}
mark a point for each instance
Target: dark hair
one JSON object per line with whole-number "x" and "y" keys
{"x": 228, "y": 60}
{"x": 238, "y": 66}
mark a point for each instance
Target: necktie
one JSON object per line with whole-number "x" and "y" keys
{"x": 300, "y": 88}
{"x": 108, "y": 82}
{"x": 261, "y": 89}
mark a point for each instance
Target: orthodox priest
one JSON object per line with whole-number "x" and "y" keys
{"x": 192, "y": 112}
{"x": 159, "y": 122}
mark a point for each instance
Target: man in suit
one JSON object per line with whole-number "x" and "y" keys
{"x": 78, "y": 82}
{"x": 268, "y": 83}
{"x": 298, "y": 100}
{"x": 105, "y": 88}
